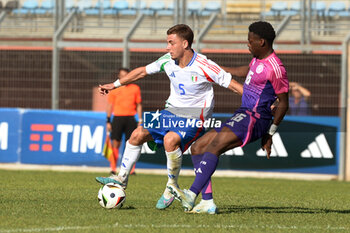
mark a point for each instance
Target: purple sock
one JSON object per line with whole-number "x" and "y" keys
{"x": 207, "y": 193}
{"x": 203, "y": 173}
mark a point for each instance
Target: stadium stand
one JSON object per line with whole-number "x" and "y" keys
{"x": 230, "y": 24}
{"x": 95, "y": 10}
{"x": 251, "y": 7}
{"x": 109, "y": 9}
{"x": 83, "y": 5}
{"x": 155, "y": 7}
{"x": 131, "y": 11}
{"x": 293, "y": 10}
{"x": 211, "y": 7}
{"x": 70, "y": 5}
{"x": 28, "y": 7}
{"x": 46, "y": 7}
{"x": 194, "y": 8}
{"x": 319, "y": 8}
{"x": 11, "y": 5}
{"x": 337, "y": 9}
{"x": 276, "y": 9}
{"x": 345, "y": 13}
{"x": 121, "y": 6}
{"x": 168, "y": 11}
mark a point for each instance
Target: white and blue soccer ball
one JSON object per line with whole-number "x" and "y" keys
{"x": 111, "y": 196}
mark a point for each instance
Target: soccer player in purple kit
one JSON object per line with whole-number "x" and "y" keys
{"x": 266, "y": 80}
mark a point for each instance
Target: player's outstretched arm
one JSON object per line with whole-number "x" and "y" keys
{"x": 236, "y": 87}
{"x": 105, "y": 88}
{"x": 132, "y": 76}
{"x": 240, "y": 71}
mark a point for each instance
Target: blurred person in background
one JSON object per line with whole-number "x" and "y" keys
{"x": 298, "y": 100}
{"x": 124, "y": 103}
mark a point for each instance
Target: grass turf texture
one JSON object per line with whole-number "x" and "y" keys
{"x": 45, "y": 201}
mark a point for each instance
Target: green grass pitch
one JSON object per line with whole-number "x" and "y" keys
{"x": 47, "y": 201}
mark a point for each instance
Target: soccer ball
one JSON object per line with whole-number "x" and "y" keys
{"x": 111, "y": 196}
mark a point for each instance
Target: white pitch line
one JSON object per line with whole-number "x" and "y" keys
{"x": 178, "y": 226}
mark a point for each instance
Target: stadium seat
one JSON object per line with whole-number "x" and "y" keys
{"x": 28, "y": 7}
{"x": 336, "y": 8}
{"x": 110, "y": 10}
{"x": 84, "y": 5}
{"x": 133, "y": 10}
{"x": 167, "y": 11}
{"x": 211, "y": 7}
{"x": 95, "y": 10}
{"x": 194, "y": 8}
{"x": 120, "y": 6}
{"x": 155, "y": 7}
{"x": 46, "y": 7}
{"x": 277, "y": 8}
{"x": 319, "y": 8}
{"x": 293, "y": 10}
{"x": 345, "y": 13}
{"x": 70, "y": 5}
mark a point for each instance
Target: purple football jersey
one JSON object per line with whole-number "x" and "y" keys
{"x": 266, "y": 78}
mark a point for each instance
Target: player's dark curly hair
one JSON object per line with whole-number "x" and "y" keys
{"x": 182, "y": 30}
{"x": 264, "y": 30}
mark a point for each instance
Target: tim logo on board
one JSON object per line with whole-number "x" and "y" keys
{"x": 62, "y": 137}
{"x": 41, "y": 137}
{"x": 79, "y": 137}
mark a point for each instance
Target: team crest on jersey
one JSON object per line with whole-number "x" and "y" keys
{"x": 194, "y": 78}
{"x": 260, "y": 68}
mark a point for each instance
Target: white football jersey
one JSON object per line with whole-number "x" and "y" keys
{"x": 191, "y": 87}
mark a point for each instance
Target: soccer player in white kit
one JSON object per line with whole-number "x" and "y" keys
{"x": 191, "y": 100}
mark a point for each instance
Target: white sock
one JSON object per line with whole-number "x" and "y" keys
{"x": 131, "y": 155}
{"x": 174, "y": 161}
{"x": 192, "y": 194}
{"x": 208, "y": 201}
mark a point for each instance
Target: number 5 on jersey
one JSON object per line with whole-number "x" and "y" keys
{"x": 181, "y": 87}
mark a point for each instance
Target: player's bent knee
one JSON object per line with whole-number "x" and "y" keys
{"x": 216, "y": 147}
{"x": 137, "y": 137}
{"x": 196, "y": 149}
{"x": 171, "y": 141}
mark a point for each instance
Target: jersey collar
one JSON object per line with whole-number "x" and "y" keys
{"x": 192, "y": 60}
